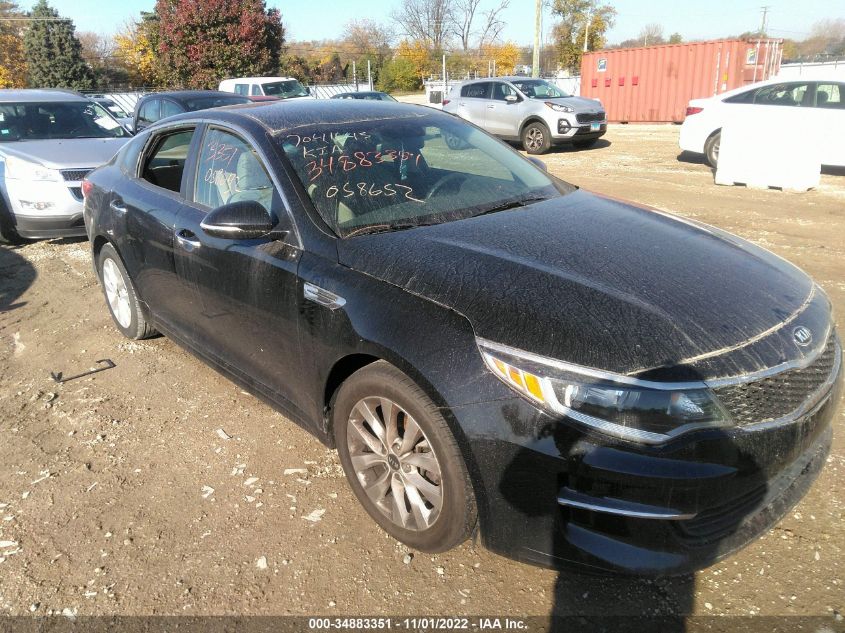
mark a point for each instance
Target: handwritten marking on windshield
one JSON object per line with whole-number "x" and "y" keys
{"x": 347, "y": 163}
{"x": 325, "y": 137}
{"x": 370, "y": 190}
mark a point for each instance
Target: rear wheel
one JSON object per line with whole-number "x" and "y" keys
{"x": 401, "y": 459}
{"x": 121, "y": 296}
{"x": 536, "y": 138}
{"x": 711, "y": 149}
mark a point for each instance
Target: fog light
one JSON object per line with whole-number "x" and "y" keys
{"x": 38, "y": 206}
{"x": 563, "y": 126}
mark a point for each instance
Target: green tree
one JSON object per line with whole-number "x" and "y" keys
{"x": 580, "y": 19}
{"x": 676, "y": 38}
{"x": 400, "y": 73}
{"x": 12, "y": 59}
{"x": 53, "y": 53}
{"x": 200, "y": 42}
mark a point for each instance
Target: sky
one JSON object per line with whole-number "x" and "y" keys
{"x": 305, "y": 20}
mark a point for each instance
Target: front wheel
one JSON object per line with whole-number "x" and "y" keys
{"x": 711, "y": 149}
{"x": 121, "y": 296}
{"x": 401, "y": 459}
{"x": 8, "y": 234}
{"x": 536, "y": 138}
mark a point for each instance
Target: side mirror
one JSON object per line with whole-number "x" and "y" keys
{"x": 307, "y": 90}
{"x": 511, "y": 98}
{"x": 246, "y": 220}
{"x": 538, "y": 163}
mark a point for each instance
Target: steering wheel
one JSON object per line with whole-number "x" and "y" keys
{"x": 440, "y": 184}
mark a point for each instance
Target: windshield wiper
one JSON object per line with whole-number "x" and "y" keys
{"x": 511, "y": 204}
{"x": 386, "y": 228}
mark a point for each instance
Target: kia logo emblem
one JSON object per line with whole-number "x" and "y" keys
{"x": 802, "y": 336}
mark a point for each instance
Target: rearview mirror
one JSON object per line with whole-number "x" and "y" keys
{"x": 246, "y": 220}
{"x": 538, "y": 163}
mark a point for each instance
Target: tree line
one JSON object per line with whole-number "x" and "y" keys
{"x": 196, "y": 43}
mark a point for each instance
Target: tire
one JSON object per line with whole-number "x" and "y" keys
{"x": 711, "y": 149}
{"x": 536, "y": 138}
{"x": 584, "y": 144}
{"x": 121, "y": 297}
{"x": 444, "y": 527}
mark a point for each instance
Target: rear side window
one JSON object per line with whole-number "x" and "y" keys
{"x": 164, "y": 163}
{"x": 830, "y": 96}
{"x": 229, "y": 170}
{"x": 476, "y": 91}
{"x": 149, "y": 111}
{"x": 242, "y": 89}
{"x": 256, "y": 90}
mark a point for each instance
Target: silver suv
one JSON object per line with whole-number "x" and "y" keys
{"x": 532, "y": 111}
{"x": 49, "y": 141}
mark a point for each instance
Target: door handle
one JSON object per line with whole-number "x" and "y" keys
{"x": 118, "y": 205}
{"x": 491, "y": 107}
{"x": 187, "y": 239}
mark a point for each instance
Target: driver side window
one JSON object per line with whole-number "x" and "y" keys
{"x": 229, "y": 170}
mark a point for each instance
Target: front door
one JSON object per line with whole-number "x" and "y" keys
{"x": 244, "y": 293}
{"x": 830, "y": 117}
{"x": 502, "y": 115}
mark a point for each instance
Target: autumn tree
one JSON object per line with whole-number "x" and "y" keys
{"x": 399, "y": 74}
{"x": 135, "y": 52}
{"x": 53, "y": 52}
{"x": 204, "y": 41}
{"x": 12, "y": 58}
{"x": 418, "y": 55}
{"x": 504, "y": 55}
{"x": 580, "y": 19}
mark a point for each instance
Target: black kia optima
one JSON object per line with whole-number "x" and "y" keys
{"x": 584, "y": 381}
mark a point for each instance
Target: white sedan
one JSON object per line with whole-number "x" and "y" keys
{"x": 818, "y": 104}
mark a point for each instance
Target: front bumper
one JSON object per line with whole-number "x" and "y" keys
{"x": 63, "y": 216}
{"x": 561, "y": 496}
{"x": 567, "y": 131}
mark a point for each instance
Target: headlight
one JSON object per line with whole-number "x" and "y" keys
{"x": 618, "y": 405}
{"x": 25, "y": 170}
{"x": 559, "y": 108}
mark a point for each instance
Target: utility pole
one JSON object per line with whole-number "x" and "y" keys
{"x": 587, "y": 29}
{"x": 765, "y": 24}
{"x": 538, "y": 27}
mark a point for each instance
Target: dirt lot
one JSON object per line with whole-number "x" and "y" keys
{"x": 159, "y": 487}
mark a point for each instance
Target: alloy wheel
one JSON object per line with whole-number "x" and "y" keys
{"x": 395, "y": 463}
{"x": 534, "y": 138}
{"x": 116, "y": 293}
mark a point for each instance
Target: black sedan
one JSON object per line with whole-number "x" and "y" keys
{"x": 160, "y": 105}
{"x": 587, "y": 382}
{"x": 366, "y": 95}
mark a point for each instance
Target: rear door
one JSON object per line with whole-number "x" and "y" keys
{"x": 244, "y": 293}
{"x": 830, "y": 113}
{"x": 150, "y": 202}
{"x": 502, "y": 117}
{"x": 472, "y": 104}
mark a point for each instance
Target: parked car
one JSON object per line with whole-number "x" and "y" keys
{"x": 49, "y": 141}
{"x": 123, "y": 117}
{"x": 160, "y": 105}
{"x": 818, "y": 104}
{"x": 280, "y": 87}
{"x": 368, "y": 95}
{"x": 590, "y": 382}
{"x": 531, "y": 111}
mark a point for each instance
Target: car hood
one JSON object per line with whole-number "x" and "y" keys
{"x": 66, "y": 153}
{"x": 603, "y": 284}
{"x": 581, "y": 104}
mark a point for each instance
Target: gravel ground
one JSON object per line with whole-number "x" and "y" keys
{"x": 159, "y": 487}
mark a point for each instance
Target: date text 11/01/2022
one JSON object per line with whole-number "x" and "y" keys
{"x": 426, "y": 623}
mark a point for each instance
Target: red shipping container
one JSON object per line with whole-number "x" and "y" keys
{"x": 667, "y": 76}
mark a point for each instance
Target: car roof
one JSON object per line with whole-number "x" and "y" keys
{"x": 257, "y": 79}
{"x": 42, "y": 94}
{"x": 184, "y": 95}
{"x": 359, "y": 92}
{"x": 284, "y": 115}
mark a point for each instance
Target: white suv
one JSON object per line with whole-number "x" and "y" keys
{"x": 272, "y": 87}
{"x": 818, "y": 104}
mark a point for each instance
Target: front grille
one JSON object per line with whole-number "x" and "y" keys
{"x": 75, "y": 175}
{"x": 76, "y": 192}
{"x": 717, "y": 523}
{"x": 589, "y": 117}
{"x": 779, "y": 395}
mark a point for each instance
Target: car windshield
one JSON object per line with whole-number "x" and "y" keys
{"x": 57, "y": 120}
{"x": 394, "y": 174}
{"x": 285, "y": 89}
{"x": 204, "y": 103}
{"x": 115, "y": 109}
{"x": 539, "y": 89}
